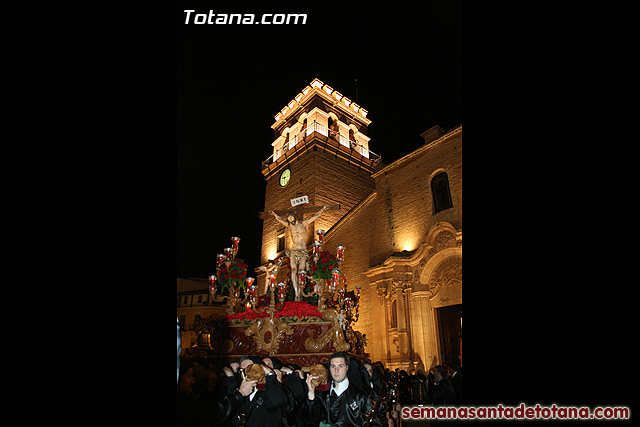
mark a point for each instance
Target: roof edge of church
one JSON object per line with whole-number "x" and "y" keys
{"x": 352, "y": 212}
{"x": 417, "y": 151}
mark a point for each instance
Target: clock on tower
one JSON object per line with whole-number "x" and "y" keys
{"x": 323, "y": 135}
{"x": 285, "y": 176}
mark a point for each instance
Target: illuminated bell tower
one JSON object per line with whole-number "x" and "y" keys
{"x": 320, "y": 150}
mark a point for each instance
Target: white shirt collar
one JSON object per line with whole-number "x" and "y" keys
{"x": 252, "y": 395}
{"x": 339, "y": 388}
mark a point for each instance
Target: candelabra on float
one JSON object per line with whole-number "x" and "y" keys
{"x": 270, "y": 288}
{"x": 234, "y": 284}
{"x": 325, "y": 288}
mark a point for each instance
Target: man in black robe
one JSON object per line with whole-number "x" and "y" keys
{"x": 268, "y": 404}
{"x": 344, "y": 404}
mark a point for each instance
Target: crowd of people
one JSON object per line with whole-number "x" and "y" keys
{"x": 255, "y": 391}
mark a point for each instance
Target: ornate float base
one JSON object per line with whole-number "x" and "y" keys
{"x": 305, "y": 341}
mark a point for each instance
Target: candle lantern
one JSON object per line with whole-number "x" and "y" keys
{"x": 252, "y": 292}
{"x": 281, "y": 290}
{"x": 251, "y": 287}
{"x": 340, "y": 253}
{"x": 336, "y": 275}
{"x": 320, "y": 233}
{"x": 221, "y": 259}
{"x": 235, "y": 241}
{"x": 229, "y": 253}
{"x": 272, "y": 281}
{"x": 316, "y": 247}
{"x": 303, "y": 275}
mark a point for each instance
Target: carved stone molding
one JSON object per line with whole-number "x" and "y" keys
{"x": 381, "y": 289}
{"x": 447, "y": 273}
{"x": 442, "y": 236}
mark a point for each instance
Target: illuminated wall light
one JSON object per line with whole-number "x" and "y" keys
{"x": 408, "y": 245}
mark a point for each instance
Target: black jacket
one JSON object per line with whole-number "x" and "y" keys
{"x": 443, "y": 393}
{"x": 355, "y": 406}
{"x": 267, "y": 408}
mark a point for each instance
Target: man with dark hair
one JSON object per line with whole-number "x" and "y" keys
{"x": 268, "y": 403}
{"x": 343, "y": 404}
{"x": 443, "y": 392}
{"x": 455, "y": 378}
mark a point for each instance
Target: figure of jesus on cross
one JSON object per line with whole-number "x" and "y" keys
{"x": 299, "y": 258}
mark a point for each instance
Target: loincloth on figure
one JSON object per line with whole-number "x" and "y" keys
{"x": 298, "y": 255}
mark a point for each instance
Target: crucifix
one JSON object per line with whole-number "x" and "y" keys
{"x": 300, "y": 210}
{"x": 299, "y": 258}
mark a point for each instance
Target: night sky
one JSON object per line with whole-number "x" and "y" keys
{"x": 233, "y": 79}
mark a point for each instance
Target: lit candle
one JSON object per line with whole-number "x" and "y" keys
{"x": 281, "y": 290}
{"x": 248, "y": 305}
{"x": 340, "y": 252}
{"x": 320, "y": 233}
{"x": 303, "y": 275}
{"x": 235, "y": 241}
{"x": 272, "y": 279}
{"x": 251, "y": 286}
{"x": 229, "y": 253}
{"x": 221, "y": 259}
{"x": 336, "y": 273}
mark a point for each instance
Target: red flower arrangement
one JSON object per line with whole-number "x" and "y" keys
{"x": 236, "y": 272}
{"x": 326, "y": 263}
{"x": 291, "y": 309}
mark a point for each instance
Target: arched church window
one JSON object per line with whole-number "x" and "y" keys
{"x": 440, "y": 192}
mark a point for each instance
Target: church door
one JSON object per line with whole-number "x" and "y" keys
{"x": 450, "y": 333}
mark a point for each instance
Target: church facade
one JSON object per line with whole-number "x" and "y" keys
{"x": 401, "y": 223}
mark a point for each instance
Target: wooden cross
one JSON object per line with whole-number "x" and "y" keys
{"x": 300, "y": 210}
